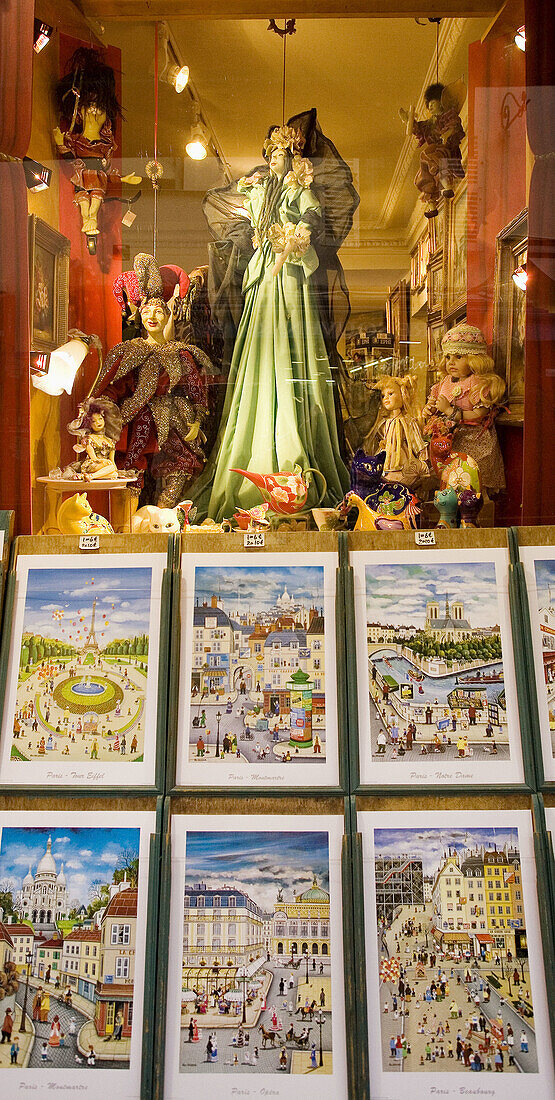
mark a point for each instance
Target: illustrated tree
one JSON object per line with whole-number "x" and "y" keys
{"x": 8, "y": 980}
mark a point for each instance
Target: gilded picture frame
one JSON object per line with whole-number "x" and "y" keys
{"x": 509, "y": 316}
{"x": 48, "y": 285}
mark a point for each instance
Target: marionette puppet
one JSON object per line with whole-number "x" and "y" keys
{"x": 160, "y": 386}
{"x": 283, "y": 224}
{"x": 439, "y": 137}
{"x": 466, "y": 401}
{"x": 88, "y": 108}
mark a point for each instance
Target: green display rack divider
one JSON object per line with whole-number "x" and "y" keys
{"x": 151, "y": 957}
{"x": 528, "y": 537}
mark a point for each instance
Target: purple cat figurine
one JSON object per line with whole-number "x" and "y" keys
{"x": 390, "y": 505}
{"x": 470, "y": 504}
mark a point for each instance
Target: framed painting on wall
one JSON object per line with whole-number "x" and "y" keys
{"x": 49, "y": 285}
{"x": 509, "y": 323}
{"x": 454, "y": 253}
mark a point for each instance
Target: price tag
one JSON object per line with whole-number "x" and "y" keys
{"x": 254, "y": 538}
{"x": 89, "y": 542}
{"x": 425, "y": 538}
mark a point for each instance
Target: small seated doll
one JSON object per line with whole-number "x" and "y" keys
{"x": 439, "y": 138}
{"x": 98, "y": 426}
{"x": 397, "y": 431}
{"x": 468, "y": 397}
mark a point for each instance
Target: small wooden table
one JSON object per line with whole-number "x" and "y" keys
{"x": 120, "y": 507}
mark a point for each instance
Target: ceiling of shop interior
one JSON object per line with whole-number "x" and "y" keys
{"x": 357, "y": 72}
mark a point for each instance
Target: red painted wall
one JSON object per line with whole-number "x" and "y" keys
{"x": 496, "y": 194}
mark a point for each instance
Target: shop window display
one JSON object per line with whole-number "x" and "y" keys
{"x": 255, "y": 277}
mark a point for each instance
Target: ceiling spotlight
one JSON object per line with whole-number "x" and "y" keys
{"x": 178, "y": 76}
{"x": 42, "y": 35}
{"x": 196, "y": 147}
{"x": 37, "y": 177}
{"x": 520, "y": 277}
{"x": 520, "y": 39}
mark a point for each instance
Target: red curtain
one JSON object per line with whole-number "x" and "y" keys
{"x": 539, "y": 436}
{"x": 16, "y": 74}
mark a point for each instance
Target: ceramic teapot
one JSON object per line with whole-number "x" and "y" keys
{"x": 286, "y": 491}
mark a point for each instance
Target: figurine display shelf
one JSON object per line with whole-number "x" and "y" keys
{"x": 122, "y": 502}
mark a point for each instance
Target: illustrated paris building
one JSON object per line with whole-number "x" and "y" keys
{"x": 43, "y": 898}
{"x": 302, "y": 926}
{"x": 399, "y": 881}
{"x": 221, "y": 925}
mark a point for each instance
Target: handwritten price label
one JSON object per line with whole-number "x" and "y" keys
{"x": 425, "y": 538}
{"x": 89, "y": 542}
{"x": 254, "y": 539}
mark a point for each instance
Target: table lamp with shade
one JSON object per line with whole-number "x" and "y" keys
{"x": 65, "y": 362}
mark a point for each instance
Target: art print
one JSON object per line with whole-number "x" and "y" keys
{"x": 454, "y": 961}
{"x": 72, "y": 949}
{"x": 436, "y": 689}
{"x": 539, "y": 568}
{"x": 258, "y": 691}
{"x": 255, "y": 996}
{"x": 83, "y": 675}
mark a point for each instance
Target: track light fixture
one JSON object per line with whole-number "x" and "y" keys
{"x": 520, "y": 39}
{"x": 197, "y": 146}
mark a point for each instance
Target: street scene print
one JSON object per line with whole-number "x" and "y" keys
{"x": 258, "y": 691}
{"x": 454, "y": 978}
{"x": 455, "y": 974}
{"x": 68, "y": 945}
{"x": 256, "y": 992}
{"x": 83, "y": 672}
{"x": 539, "y": 568}
{"x": 434, "y": 692}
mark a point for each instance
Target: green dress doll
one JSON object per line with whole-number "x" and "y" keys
{"x": 279, "y": 407}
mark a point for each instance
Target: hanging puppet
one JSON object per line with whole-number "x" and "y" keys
{"x": 160, "y": 385}
{"x": 439, "y": 137}
{"x": 88, "y": 109}
{"x": 282, "y": 225}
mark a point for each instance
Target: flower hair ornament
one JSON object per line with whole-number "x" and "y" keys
{"x": 284, "y": 138}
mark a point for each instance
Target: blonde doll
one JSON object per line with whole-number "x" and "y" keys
{"x": 468, "y": 396}
{"x": 397, "y": 431}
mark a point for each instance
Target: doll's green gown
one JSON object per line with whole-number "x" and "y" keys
{"x": 279, "y": 406}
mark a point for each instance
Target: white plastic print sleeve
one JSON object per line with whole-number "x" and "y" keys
{"x": 455, "y": 981}
{"x": 82, "y": 690}
{"x": 436, "y": 683}
{"x": 539, "y": 570}
{"x": 72, "y": 951}
{"x": 256, "y": 989}
{"x": 258, "y": 701}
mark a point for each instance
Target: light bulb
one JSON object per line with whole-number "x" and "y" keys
{"x": 520, "y": 277}
{"x": 62, "y": 369}
{"x": 520, "y": 39}
{"x": 196, "y": 147}
{"x": 179, "y": 77}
